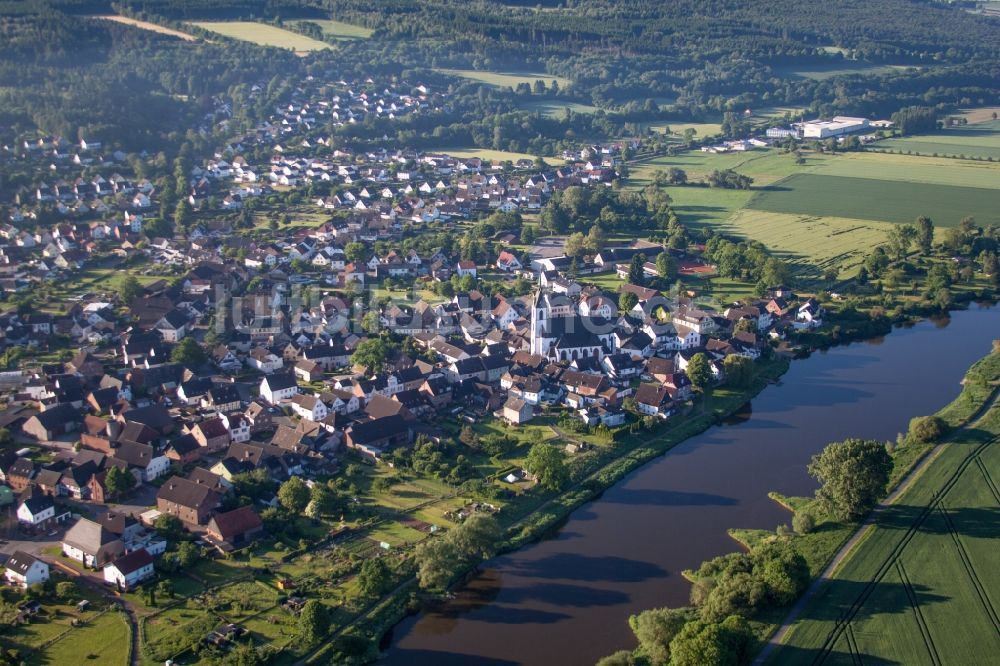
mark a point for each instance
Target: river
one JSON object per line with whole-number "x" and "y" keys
{"x": 566, "y": 599}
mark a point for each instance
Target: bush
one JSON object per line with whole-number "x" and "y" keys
{"x": 803, "y": 522}
{"x": 927, "y": 429}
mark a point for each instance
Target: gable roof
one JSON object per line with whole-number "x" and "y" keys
{"x": 132, "y": 562}
{"x": 21, "y": 562}
{"x": 233, "y": 523}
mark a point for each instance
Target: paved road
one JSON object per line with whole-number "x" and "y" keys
{"x": 779, "y": 636}
{"x": 550, "y": 246}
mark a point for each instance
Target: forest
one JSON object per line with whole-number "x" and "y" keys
{"x": 636, "y": 61}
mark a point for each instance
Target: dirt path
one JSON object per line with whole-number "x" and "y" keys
{"x": 778, "y": 637}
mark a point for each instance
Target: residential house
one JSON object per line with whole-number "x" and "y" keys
{"x": 192, "y": 502}
{"x": 129, "y": 570}
{"x": 278, "y": 387}
{"x": 91, "y": 544}
{"x": 24, "y": 570}
{"x": 235, "y": 529}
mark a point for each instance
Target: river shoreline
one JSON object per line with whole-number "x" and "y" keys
{"x": 553, "y": 514}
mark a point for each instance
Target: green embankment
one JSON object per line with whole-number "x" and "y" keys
{"x": 922, "y": 585}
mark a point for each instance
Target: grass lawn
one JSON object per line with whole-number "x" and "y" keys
{"x": 921, "y": 586}
{"x": 339, "y": 30}
{"x": 884, "y": 200}
{"x": 507, "y": 79}
{"x": 396, "y": 534}
{"x": 263, "y": 34}
{"x": 104, "y": 640}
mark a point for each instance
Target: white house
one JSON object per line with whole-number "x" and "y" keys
{"x": 129, "y": 570}
{"x": 36, "y": 510}
{"x": 308, "y": 407}
{"x": 263, "y": 360}
{"x": 465, "y": 267}
{"x": 278, "y": 387}
{"x": 24, "y": 570}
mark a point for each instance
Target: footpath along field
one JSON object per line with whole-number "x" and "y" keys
{"x": 922, "y": 587}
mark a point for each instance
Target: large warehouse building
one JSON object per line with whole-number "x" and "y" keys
{"x": 838, "y": 126}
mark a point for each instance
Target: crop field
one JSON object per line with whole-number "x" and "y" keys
{"x": 933, "y": 170}
{"x": 922, "y": 587}
{"x": 554, "y": 108}
{"x": 339, "y": 30}
{"x": 507, "y": 79}
{"x": 263, "y": 34}
{"x": 146, "y": 25}
{"x": 981, "y": 141}
{"x": 501, "y": 155}
{"x": 884, "y": 200}
{"x": 810, "y": 244}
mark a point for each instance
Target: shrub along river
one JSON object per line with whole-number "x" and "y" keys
{"x": 566, "y": 599}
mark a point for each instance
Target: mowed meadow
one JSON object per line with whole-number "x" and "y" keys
{"x": 263, "y": 34}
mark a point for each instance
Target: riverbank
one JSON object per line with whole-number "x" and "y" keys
{"x": 873, "y": 550}
{"x": 549, "y": 513}
{"x": 831, "y": 542}
{"x": 631, "y": 453}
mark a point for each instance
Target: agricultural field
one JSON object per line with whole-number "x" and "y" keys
{"x": 339, "y": 30}
{"x": 146, "y": 25}
{"x": 883, "y": 200}
{"x": 922, "y": 586}
{"x": 933, "y": 170}
{"x": 810, "y": 244}
{"x": 980, "y": 141}
{"x": 554, "y": 108}
{"x": 263, "y": 34}
{"x": 764, "y": 166}
{"x": 507, "y": 79}
{"x": 499, "y": 155}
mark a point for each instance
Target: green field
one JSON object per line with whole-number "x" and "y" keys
{"x": 104, "y": 640}
{"x": 823, "y": 71}
{"x": 764, "y": 166}
{"x": 487, "y": 154}
{"x": 981, "y": 141}
{"x": 263, "y": 34}
{"x": 554, "y": 108}
{"x": 810, "y": 244}
{"x": 922, "y": 587}
{"x": 339, "y": 30}
{"x": 506, "y": 79}
{"x": 678, "y": 127}
{"x": 883, "y": 200}
{"x": 934, "y": 170}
